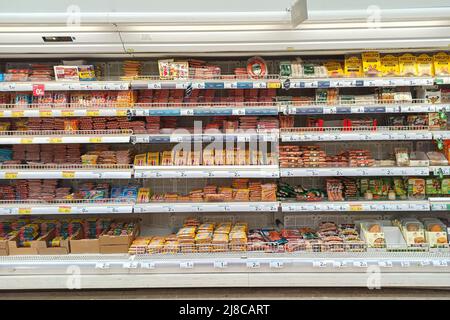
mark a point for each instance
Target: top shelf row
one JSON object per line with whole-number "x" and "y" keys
{"x": 286, "y": 84}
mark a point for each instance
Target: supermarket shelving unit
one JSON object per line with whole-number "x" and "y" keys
{"x": 375, "y": 267}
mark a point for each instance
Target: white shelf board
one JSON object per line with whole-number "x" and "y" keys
{"x": 354, "y": 172}
{"x": 355, "y": 206}
{"x": 206, "y": 207}
{"x": 66, "y": 86}
{"x": 207, "y": 171}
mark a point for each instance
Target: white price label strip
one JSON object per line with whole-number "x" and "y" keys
{"x": 101, "y": 265}
{"x": 405, "y": 264}
{"x": 339, "y": 264}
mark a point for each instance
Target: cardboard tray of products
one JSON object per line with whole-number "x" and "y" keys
{"x": 38, "y": 246}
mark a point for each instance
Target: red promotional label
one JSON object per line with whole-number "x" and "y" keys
{"x": 38, "y": 90}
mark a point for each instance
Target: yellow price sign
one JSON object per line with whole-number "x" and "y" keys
{"x": 121, "y": 113}
{"x": 356, "y": 207}
{"x": 2, "y": 113}
{"x": 45, "y": 114}
{"x": 67, "y": 113}
{"x": 65, "y": 209}
{"x": 95, "y": 140}
{"x": 26, "y": 140}
{"x": 93, "y": 113}
{"x": 273, "y": 85}
{"x": 24, "y": 210}
{"x": 11, "y": 175}
{"x": 55, "y": 140}
{"x": 17, "y": 114}
{"x": 68, "y": 174}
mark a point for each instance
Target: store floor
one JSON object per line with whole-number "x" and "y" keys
{"x": 235, "y": 293}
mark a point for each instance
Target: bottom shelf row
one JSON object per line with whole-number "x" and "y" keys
{"x": 105, "y": 236}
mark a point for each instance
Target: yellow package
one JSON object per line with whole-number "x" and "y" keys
{"x": 425, "y": 66}
{"x": 408, "y": 65}
{"x": 143, "y": 195}
{"x": 153, "y": 159}
{"x": 371, "y": 64}
{"x": 389, "y": 65}
{"x": 353, "y": 66}
{"x": 140, "y": 160}
{"x": 334, "y": 69}
{"x": 441, "y": 64}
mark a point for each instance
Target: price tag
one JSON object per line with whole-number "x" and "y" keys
{"x": 238, "y": 112}
{"x": 67, "y": 113}
{"x": 276, "y": 264}
{"x": 187, "y": 112}
{"x": 148, "y": 265}
{"x": 385, "y": 264}
{"x": 55, "y": 140}
{"x": 93, "y": 113}
{"x": 26, "y": 140}
{"x": 68, "y": 174}
{"x": 65, "y": 209}
{"x": 356, "y": 207}
{"x": 440, "y": 263}
{"x": 121, "y": 113}
{"x": 187, "y": 265}
{"x": 101, "y": 265}
{"x": 405, "y": 264}
{"x": 319, "y": 264}
{"x": 424, "y": 263}
{"x": 273, "y": 85}
{"x": 220, "y": 264}
{"x": 360, "y": 264}
{"x": 38, "y": 90}
{"x": 95, "y": 140}
{"x": 253, "y": 264}
{"x": 24, "y": 210}
{"x": 154, "y": 85}
{"x": 45, "y": 114}
{"x": 17, "y": 114}
{"x": 130, "y": 265}
{"x": 339, "y": 264}
{"x": 11, "y": 175}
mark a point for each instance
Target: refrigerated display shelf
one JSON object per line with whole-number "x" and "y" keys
{"x": 356, "y": 206}
{"x": 356, "y": 172}
{"x": 66, "y": 171}
{"x": 116, "y": 205}
{"x": 251, "y": 171}
{"x": 206, "y": 207}
{"x": 65, "y": 86}
{"x": 36, "y": 207}
{"x": 50, "y": 110}
{"x": 178, "y": 136}
{"x": 250, "y": 269}
{"x": 378, "y": 133}
{"x": 62, "y": 136}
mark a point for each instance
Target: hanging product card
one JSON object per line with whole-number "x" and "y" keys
{"x": 38, "y": 90}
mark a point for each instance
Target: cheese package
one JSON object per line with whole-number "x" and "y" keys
{"x": 140, "y": 160}
{"x": 389, "y": 65}
{"x": 425, "y": 66}
{"x": 441, "y": 64}
{"x": 371, "y": 64}
{"x": 353, "y": 66}
{"x": 407, "y": 65}
{"x": 334, "y": 69}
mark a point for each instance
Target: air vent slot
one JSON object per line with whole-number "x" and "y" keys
{"x": 58, "y": 39}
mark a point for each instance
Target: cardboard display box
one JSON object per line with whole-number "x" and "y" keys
{"x": 80, "y": 245}
{"x": 118, "y": 244}
{"x": 38, "y": 246}
{"x": 4, "y": 251}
